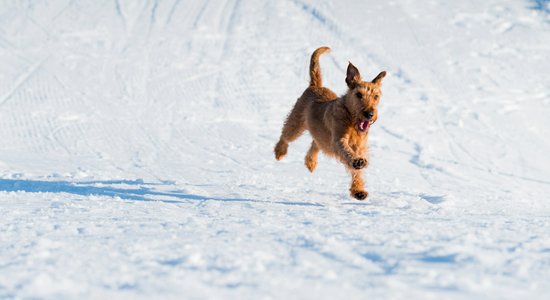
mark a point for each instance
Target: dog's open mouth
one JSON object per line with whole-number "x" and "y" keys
{"x": 363, "y": 125}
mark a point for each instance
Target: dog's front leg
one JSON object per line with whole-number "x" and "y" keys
{"x": 347, "y": 154}
{"x": 357, "y": 189}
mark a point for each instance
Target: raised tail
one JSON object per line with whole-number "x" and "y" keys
{"x": 315, "y": 69}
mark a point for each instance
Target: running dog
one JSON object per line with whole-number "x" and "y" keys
{"x": 339, "y": 125}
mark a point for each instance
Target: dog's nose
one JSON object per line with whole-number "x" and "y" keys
{"x": 368, "y": 114}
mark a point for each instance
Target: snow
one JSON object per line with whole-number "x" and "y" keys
{"x": 137, "y": 136}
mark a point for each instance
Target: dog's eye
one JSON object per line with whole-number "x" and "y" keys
{"x": 376, "y": 97}
{"x": 359, "y": 95}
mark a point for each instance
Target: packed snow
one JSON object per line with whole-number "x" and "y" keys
{"x": 137, "y": 151}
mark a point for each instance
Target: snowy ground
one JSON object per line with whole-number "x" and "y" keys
{"x": 136, "y": 157}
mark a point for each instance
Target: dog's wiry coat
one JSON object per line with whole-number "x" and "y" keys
{"x": 339, "y": 125}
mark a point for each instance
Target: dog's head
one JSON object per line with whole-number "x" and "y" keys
{"x": 362, "y": 97}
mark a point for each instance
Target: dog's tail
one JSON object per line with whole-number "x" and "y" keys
{"x": 315, "y": 69}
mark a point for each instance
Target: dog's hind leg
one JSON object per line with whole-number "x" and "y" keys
{"x": 357, "y": 189}
{"x": 293, "y": 128}
{"x": 311, "y": 156}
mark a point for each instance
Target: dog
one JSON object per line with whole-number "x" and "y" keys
{"x": 339, "y": 126}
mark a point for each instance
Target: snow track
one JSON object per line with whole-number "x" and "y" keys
{"x": 137, "y": 151}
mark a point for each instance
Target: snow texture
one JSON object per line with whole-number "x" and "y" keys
{"x": 136, "y": 158}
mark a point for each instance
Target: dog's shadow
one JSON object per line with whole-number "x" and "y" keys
{"x": 137, "y": 190}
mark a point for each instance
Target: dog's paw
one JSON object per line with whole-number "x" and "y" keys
{"x": 311, "y": 164}
{"x": 359, "y": 163}
{"x": 360, "y": 195}
{"x": 280, "y": 150}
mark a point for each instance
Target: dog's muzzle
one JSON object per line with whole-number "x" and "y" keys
{"x": 363, "y": 125}
{"x": 368, "y": 114}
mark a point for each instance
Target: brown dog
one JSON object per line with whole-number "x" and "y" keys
{"x": 339, "y": 125}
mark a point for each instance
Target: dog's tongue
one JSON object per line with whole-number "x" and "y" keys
{"x": 363, "y": 125}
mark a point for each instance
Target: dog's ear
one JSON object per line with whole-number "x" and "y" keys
{"x": 352, "y": 76}
{"x": 379, "y": 77}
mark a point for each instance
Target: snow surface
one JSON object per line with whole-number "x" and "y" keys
{"x": 136, "y": 158}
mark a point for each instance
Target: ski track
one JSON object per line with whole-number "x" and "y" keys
{"x": 137, "y": 151}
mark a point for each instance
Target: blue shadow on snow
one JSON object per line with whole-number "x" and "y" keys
{"x": 541, "y": 5}
{"x": 140, "y": 193}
